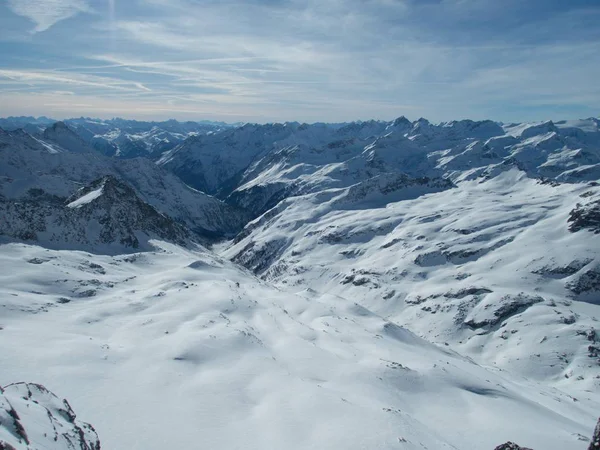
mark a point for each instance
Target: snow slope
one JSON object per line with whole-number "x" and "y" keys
{"x": 87, "y": 198}
{"x": 182, "y": 349}
{"x": 489, "y": 267}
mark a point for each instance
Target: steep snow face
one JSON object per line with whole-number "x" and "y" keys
{"x": 28, "y": 166}
{"x": 105, "y": 217}
{"x": 195, "y": 352}
{"x": 490, "y": 267}
{"x": 31, "y": 417}
{"x": 87, "y": 198}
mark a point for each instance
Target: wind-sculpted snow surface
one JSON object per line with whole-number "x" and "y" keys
{"x": 33, "y": 418}
{"x": 181, "y": 349}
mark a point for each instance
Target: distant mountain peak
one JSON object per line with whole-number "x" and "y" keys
{"x": 401, "y": 121}
{"x": 60, "y": 133}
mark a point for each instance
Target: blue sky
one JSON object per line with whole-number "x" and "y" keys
{"x": 305, "y": 60}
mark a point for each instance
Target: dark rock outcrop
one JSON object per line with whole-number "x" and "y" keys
{"x": 588, "y": 281}
{"x": 595, "y": 444}
{"x": 511, "y": 446}
{"x": 585, "y": 217}
{"x": 492, "y": 312}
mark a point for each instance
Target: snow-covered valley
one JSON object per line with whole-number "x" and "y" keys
{"x": 402, "y": 285}
{"x": 182, "y": 349}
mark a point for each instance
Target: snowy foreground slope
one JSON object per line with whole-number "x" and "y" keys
{"x": 182, "y": 349}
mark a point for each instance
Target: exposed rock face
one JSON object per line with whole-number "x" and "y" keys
{"x": 493, "y": 310}
{"x": 595, "y": 444}
{"x": 31, "y": 417}
{"x": 587, "y": 286}
{"x": 585, "y": 217}
{"x": 105, "y": 216}
{"x": 511, "y": 446}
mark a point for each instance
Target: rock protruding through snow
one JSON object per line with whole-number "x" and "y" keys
{"x": 33, "y": 418}
{"x": 595, "y": 443}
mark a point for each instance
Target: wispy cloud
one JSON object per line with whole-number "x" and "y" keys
{"x": 314, "y": 59}
{"x": 45, "y": 13}
{"x": 38, "y": 78}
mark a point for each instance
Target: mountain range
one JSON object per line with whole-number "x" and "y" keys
{"x": 376, "y": 284}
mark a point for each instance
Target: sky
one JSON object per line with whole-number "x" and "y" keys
{"x": 305, "y": 60}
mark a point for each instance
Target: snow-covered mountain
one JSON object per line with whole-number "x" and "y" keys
{"x": 118, "y": 137}
{"x": 60, "y": 134}
{"x": 106, "y": 216}
{"x": 132, "y": 138}
{"x": 256, "y": 166}
{"x": 219, "y": 163}
{"x": 31, "y": 164}
{"x": 401, "y": 284}
{"x": 505, "y": 270}
{"x": 34, "y": 125}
